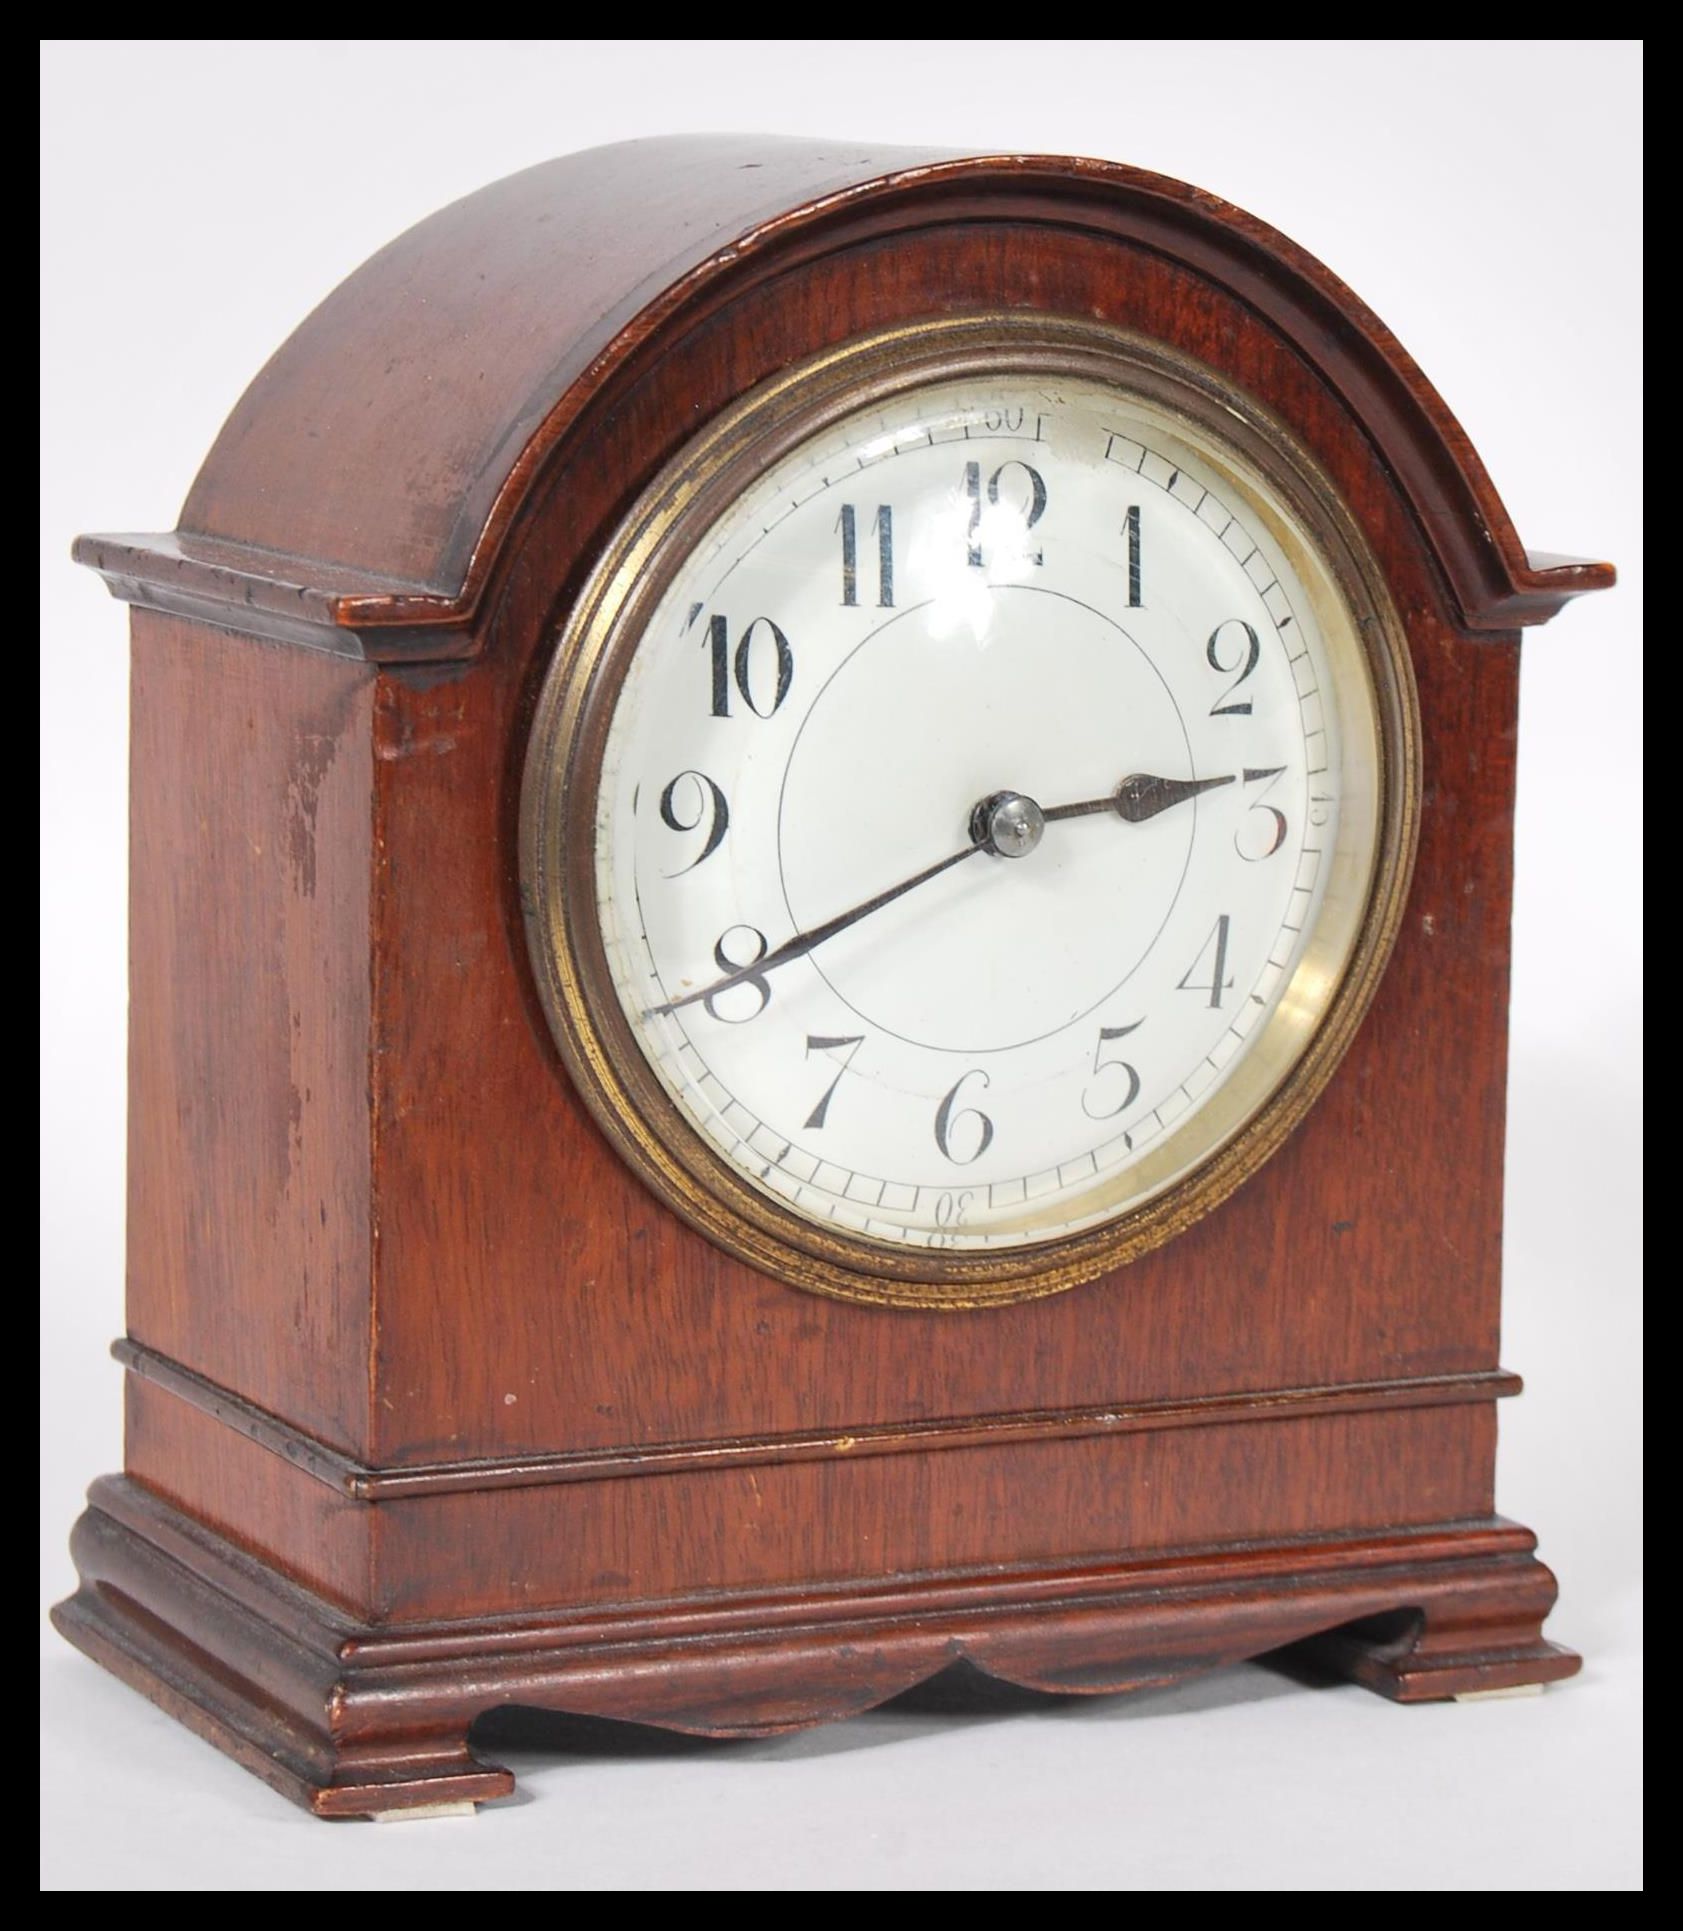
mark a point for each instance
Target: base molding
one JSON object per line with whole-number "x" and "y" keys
{"x": 352, "y": 1720}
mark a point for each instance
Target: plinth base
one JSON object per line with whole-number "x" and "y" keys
{"x": 354, "y": 1720}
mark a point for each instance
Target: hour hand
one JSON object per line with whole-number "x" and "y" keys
{"x": 1139, "y": 797}
{"x": 1142, "y": 796}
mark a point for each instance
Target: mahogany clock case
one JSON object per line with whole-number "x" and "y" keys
{"x": 431, "y": 1404}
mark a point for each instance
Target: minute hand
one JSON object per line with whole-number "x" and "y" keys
{"x": 1139, "y": 797}
{"x": 804, "y": 942}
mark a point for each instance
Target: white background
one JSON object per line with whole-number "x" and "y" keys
{"x": 198, "y": 198}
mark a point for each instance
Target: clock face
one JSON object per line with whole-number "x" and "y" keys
{"x": 984, "y": 816}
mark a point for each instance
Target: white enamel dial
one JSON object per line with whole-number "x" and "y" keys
{"x": 926, "y": 635}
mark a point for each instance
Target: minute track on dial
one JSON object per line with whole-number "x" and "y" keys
{"x": 1006, "y": 824}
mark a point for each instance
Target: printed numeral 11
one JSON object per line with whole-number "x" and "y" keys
{"x": 883, "y": 525}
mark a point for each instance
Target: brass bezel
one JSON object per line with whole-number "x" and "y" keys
{"x": 558, "y": 884}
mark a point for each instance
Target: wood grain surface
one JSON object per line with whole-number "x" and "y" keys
{"x": 366, "y": 1206}
{"x": 351, "y": 1720}
{"x": 250, "y": 1212}
{"x": 368, "y": 478}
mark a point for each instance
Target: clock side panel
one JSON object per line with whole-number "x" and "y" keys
{"x": 534, "y": 1298}
{"x": 249, "y": 1239}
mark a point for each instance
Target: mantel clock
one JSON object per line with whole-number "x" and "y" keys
{"x": 821, "y": 850}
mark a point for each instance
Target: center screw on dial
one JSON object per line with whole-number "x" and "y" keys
{"x": 1008, "y": 824}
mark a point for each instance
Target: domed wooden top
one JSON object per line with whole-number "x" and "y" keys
{"x": 358, "y": 496}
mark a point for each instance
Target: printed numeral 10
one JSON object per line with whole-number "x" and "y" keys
{"x": 738, "y": 668}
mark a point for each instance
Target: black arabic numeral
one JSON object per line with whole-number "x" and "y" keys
{"x": 952, "y": 1213}
{"x": 1031, "y": 511}
{"x": 1103, "y": 1065}
{"x": 973, "y": 495}
{"x": 883, "y": 526}
{"x": 1006, "y": 417}
{"x": 1252, "y": 656}
{"x": 1215, "y": 985}
{"x": 756, "y": 982}
{"x": 946, "y": 1119}
{"x": 1278, "y": 828}
{"x": 739, "y": 668}
{"x": 819, "y": 1043}
{"x": 953, "y": 1209}
{"x": 710, "y": 806}
{"x": 718, "y": 642}
{"x": 745, "y": 666}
